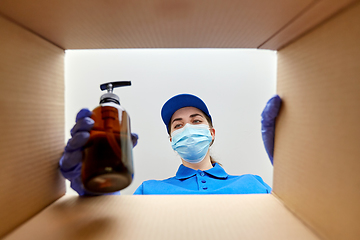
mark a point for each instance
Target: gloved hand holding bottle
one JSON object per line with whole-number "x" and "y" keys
{"x": 98, "y": 158}
{"x": 71, "y": 160}
{"x": 268, "y": 118}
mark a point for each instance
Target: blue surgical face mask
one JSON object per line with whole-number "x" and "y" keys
{"x": 192, "y": 142}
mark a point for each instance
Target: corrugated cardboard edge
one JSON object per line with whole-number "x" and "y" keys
{"x": 315, "y": 14}
{"x": 32, "y": 123}
{"x": 295, "y": 214}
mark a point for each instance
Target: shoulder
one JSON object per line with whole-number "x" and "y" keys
{"x": 154, "y": 186}
{"x": 255, "y": 179}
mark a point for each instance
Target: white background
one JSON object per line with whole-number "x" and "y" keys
{"x": 234, "y": 83}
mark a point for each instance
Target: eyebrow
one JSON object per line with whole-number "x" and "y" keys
{"x": 192, "y": 115}
{"x": 196, "y": 114}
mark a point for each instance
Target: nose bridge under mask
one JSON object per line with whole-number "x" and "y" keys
{"x": 189, "y": 129}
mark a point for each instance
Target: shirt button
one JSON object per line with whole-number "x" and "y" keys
{"x": 203, "y": 181}
{"x": 202, "y": 174}
{"x": 204, "y": 188}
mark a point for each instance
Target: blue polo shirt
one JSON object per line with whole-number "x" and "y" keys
{"x": 212, "y": 181}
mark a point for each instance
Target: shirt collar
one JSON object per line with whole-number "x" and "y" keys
{"x": 185, "y": 172}
{"x": 217, "y": 171}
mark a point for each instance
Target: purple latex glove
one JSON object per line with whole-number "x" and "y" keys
{"x": 268, "y": 117}
{"x": 70, "y": 162}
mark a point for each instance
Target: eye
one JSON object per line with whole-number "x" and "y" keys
{"x": 177, "y": 126}
{"x": 197, "y": 121}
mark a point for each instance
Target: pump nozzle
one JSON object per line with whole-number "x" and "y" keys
{"x": 110, "y": 96}
{"x": 111, "y": 85}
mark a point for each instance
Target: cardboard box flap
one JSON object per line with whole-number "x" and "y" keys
{"x": 170, "y": 24}
{"x": 154, "y": 24}
{"x": 259, "y": 216}
{"x": 316, "y": 162}
{"x": 32, "y": 123}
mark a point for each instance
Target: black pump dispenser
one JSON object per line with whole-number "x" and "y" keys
{"x": 107, "y": 156}
{"x": 110, "y": 96}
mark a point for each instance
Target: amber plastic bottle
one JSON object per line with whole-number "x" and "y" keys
{"x": 107, "y": 157}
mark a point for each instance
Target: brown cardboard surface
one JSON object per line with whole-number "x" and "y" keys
{"x": 317, "y": 150}
{"x": 259, "y": 216}
{"x": 31, "y": 124}
{"x": 308, "y": 19}
{"x": 316, "y": 164}
{"x": 154, "y": 24}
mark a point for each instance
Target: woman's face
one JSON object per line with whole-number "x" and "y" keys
{"x": 189, "y": 115}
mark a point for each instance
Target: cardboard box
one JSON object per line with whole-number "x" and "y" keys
{"x": 316, "y": 181}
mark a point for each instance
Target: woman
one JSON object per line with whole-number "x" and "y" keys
{"x": 189, "y": 125}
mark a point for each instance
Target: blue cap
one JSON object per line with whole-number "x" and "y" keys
{"x": 180, "y": 101}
